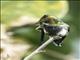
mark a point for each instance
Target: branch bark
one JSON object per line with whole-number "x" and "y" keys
{"x": 39, "y": 49}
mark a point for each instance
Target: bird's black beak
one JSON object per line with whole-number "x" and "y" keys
{"x": 68, "y": 29}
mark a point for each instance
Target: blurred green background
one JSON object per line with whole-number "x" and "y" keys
{"x": 19, "y": 13}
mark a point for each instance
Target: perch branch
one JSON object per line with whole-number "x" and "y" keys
{"x": 39, "y": 49}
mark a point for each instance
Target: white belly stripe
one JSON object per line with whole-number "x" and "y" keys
{"x": 63, "y": 32}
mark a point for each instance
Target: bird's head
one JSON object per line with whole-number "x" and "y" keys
{"x": 48, "y": 20}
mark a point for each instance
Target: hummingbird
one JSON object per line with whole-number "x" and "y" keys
{"x": 53, "y": 26}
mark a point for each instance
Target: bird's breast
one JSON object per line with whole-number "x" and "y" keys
{"x": 52, "y": 30}
{"x": 63, "y": 32}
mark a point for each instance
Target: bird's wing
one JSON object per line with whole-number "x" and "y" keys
{"x": 42, "y": 37}
{"x": 58, "y": 42}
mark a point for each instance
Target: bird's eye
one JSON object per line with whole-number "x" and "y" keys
{"x": 55, "y": 20}
{"x": 46, "y": 21}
